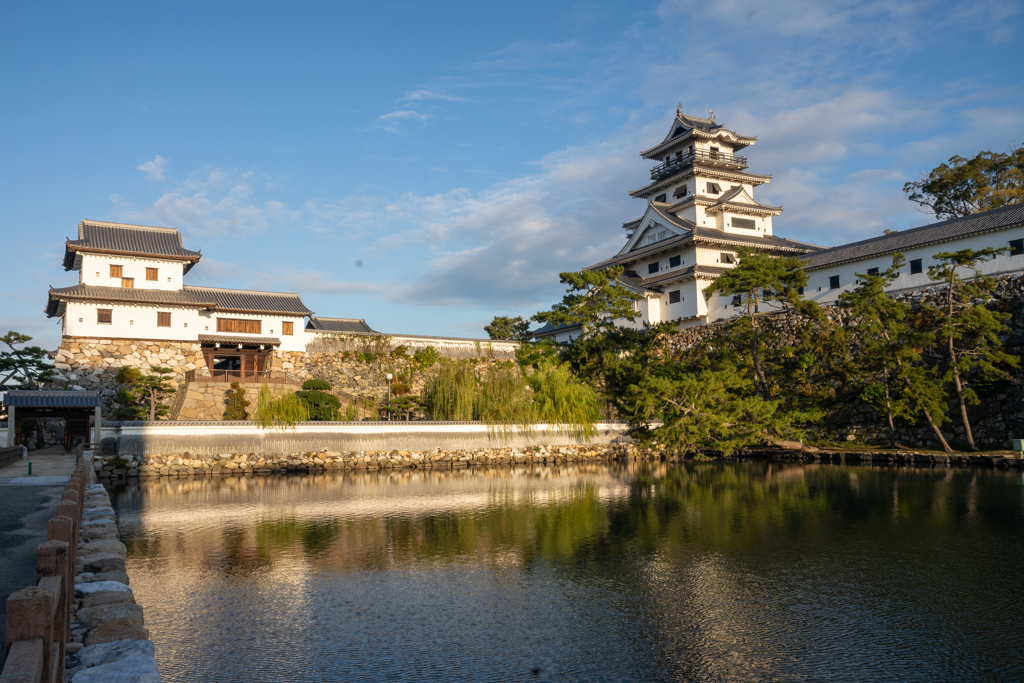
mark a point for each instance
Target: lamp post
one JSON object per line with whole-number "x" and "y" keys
{"x": 389, "y": 376}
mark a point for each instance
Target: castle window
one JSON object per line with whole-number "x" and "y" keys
{"x": 872, "y": 271}
{"x": 152, "y": 274}
{"x": 287, "y": 328}
{"x": 163, "y": 319}
{"x": 745, "y": 223}
{"x": 800, "y": 291}
{"x": 660, "y": 198}
{"x": 714, "y": 152}
{"x": 833, "y": 282}
{"x": 714, "y": 188}
{"x": 115, "y": 271}
{"x": 726, "y": 257}
{"x": 104, "y": 316}
{"x": 652, "y": 268}
{"x": 674, "y": 297}
{"x": 128, "y": 282}
{"x": 1016, "y": 247}
{"x": 239, "y": 326}
{"x": 675, "y": 261}
{"x": 915, "y": 266}
{"x": 680, "y": 191}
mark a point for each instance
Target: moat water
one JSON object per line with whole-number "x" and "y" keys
{"x": 700, "y": 572}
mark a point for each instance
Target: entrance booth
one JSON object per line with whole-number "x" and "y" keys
{"x": 75, "y": 407}
{"x": 237, "y": 358}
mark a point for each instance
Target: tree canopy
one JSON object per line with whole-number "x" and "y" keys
{"x": 27, "y": 367}
{"x": 509, "y": 329}
{"x": 594, "y": 301}
{"x": 961, "y": 187}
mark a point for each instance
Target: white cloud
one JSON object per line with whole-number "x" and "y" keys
{"x": 432, "y": 94}
{"x": 155, "y": 168}
{"x": 211, "y": 202}
{"x": 392, "y": 121}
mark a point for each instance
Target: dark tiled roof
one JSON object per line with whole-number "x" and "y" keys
{"x": 245, "y": 301}
{"x": 338, "y": 324}
{"x": 693, "y": 272}
{"x": 235, "y": 339}
{"x": 716, "y": 173}
{"x": 706, "y": 236}
{"x": 693, "y": 123}
{"x": 987, "y": 221}
{"x": 52, "y": 399}
{"x": 130, "y": 296}
{"x": 550, "y": 329}
{"x": 134, "y": 240}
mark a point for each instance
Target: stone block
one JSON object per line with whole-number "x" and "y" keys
{"x": 99, "y": 563}
{"x": 112, "y": 546}
{"x": 95, "y": 655}
{"x": 97, "y": 615}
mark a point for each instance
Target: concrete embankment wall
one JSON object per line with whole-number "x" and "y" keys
{"x": 212, "y": 438}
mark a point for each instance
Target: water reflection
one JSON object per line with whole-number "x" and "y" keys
{"x": 741, "y": 571}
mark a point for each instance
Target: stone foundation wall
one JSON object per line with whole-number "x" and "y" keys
{"x": 208, "y": 400}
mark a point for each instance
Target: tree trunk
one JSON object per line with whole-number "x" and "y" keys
{"x": 152, "y": 406}
{"x": 759, "y": 379}
{"x": 888, "y": 408}
{"x": 957, "y": 384}
{"x": 928, "y": 415}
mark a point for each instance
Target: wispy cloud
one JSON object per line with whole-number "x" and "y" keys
{"x": 392, "y": 121}
{"x": 432, "y": 94}
{"x": 154, "y": 169}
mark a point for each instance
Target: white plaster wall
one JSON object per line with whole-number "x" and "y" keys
{"x": 130, "y": 322}
{"x": 139, "y": 322}
{"x": 95, "y": 271}
{"x": 817, "y": 288}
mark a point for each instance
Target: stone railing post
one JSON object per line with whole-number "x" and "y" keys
{"x": 53, "y": 571}
{"x": 30, "y": 614}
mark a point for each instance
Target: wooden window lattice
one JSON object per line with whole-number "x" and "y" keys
{"x": 163, "y": 319}
{"x": 115, "y": 271}
{"x": 104, "y": 316}
{"x": 128, "y": 282}
{"x": 239, "y": 326}
{"x": 152, "y": 274}
{"x": 287, "y": 328}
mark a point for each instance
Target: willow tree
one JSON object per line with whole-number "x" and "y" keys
{"x": 760, "y": 279}
{"x": 967, "y": 331}
{"x": 888, "y": 352}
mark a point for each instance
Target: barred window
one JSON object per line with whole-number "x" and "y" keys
{"x": 1016, "y": 247}
{"x": 163, "y": 319}
{"x": 674, "y": 297}
{"x": 104, "y": 316}
{"x": 287, "y": 328}
{"x": 239, "y": 326}
{"x": 915, "y": 266}
{"x": 833, "y": 282}
{"x": 652, "y": 268}
{"x": 115, "y": 271}
{"x": 674, "y": 261}
{"x": 152, "y": 274}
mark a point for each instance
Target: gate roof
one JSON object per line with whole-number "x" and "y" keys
{"x": 27, "y": 398}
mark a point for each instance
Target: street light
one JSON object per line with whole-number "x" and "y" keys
{"x": 389, "y": 376}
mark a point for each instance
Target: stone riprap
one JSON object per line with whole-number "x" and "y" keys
{"x": 109, "y": 640}
{"x": 256, "y": 463}
{"x": 241, "y": 464}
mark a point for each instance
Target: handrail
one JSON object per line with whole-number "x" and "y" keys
{"x": 676, "y": 164}
{"x": 244, "y": 377}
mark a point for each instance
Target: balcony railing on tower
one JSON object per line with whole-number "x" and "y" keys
{"x": 704, "y": 156}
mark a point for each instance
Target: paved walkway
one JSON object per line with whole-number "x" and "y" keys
{"x": 25, "y": 512}
{"x": 50, "y": 467}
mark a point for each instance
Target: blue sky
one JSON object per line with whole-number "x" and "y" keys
{"x": 428, "y": 166}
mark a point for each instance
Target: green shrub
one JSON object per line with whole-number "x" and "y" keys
{"x": 450, "y": 393}
{"x": 316, "y": 385}
{"x": 320, "y": 405}
{"x": 237, "y": 403}
{"x": 426, "y": 358}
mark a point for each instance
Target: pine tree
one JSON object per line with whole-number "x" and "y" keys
{"x": 757, "y": 279}
{"x": 27, "y": 367}
{"x": 967, "y": 331}
{"x": 140, "y": 395}
{"x": 237, "y": 403}
{"x": 887, "y": 353}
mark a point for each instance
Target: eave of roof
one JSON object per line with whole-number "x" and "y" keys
{"x": 32, "y": 398}
{"x": 936, "y": 233}
{"x": 695, "y": 127}
{"x": 251, "y": 301}
{"x": 320, "y": 323}
{"x": 158, "y": 297}
{"x": 238, "y": 339}
{"x": 754, "y": 179}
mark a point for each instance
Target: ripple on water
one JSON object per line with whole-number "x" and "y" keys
{"x": 722, "y": 572}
